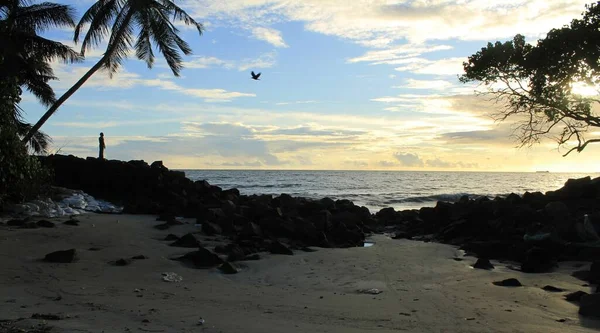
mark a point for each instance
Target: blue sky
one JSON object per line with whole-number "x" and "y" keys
{"x": 344, "y": 85}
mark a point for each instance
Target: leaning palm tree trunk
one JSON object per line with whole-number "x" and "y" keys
{"x": 151, "y": 17}
{"x": 62, "y": 99}
{"x": 102, "y": 62}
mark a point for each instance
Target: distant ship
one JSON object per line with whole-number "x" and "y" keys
{"x": 542, "y": 172}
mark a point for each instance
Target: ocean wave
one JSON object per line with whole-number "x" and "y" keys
{"x": 449, "y": 197}
{"x": 246, "y": 186}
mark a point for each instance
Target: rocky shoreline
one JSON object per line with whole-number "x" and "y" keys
{"x": 535, "y": 229}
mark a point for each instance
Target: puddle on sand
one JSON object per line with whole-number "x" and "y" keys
{"x": 368, "y": 244}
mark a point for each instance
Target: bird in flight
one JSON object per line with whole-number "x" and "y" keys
{"x": 255, "y": 76}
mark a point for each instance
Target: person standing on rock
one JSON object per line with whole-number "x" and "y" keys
{"x": 102, "y": 146}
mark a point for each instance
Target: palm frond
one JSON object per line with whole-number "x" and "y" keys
{"x": 44, "y": 16}
{"x": 164, "y": 37}
{"x": 181, "y": 15}
{"x": 143, "y": 46}
{"x": 121, "y": 40}
{"x": 39, "y": 142}
{"x": 99, "y": 17}
{"x": 49, "y": 50}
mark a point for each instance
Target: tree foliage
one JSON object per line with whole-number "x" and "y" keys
{"x": 129, "y": 24}
{"x": 25, "y": 56}
{"x": 21, "y": 175}
{"x": 536, "y": 84}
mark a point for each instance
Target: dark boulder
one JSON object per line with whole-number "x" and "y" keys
{"x": 402, "y": 235}
{"x": 15, "y": 223}
{"x": 72, "y": 222}
{"x": 45, "y": 224}
{"x": 575, "y": 296}
{"x": 202, "y": 258}
{"x": 235, "y": 253}
{"x": 278, "y": 248}
{"x": 139, "y": 257}
{"x": 512, "y": 282}
{"x": 483, "y": 263}
{"x": 552, "y": 289}
{"x": 589, "y": 305}
{"x": 122, "y": 262}
{"x": 228, "y": 268}
{"x": 211, "y": 229}
{"x": 187, "y": 240}
{"x": 171, "y": 237}
{"x": 65, "y": 256}
{"x": 254, "y": 256}
{"x": 538, "y": 260}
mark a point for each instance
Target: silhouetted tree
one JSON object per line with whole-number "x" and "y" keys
{"x": 535, "y": 82}
{"x": 25, "y": 57}
{"x": 122, "y": 18}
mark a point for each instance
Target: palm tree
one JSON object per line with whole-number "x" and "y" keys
{"x": 150, "y": 18}
{"x": 25, "y": 56}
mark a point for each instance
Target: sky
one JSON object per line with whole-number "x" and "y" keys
{"x": 345, "y": 85}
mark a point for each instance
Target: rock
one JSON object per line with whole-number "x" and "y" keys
{"x": 307, "y": 249}
{"x": 171, "y": 237}
{"x": 165, "y": 217}
{"x": 235, "y": 253}
{"x": 221, "y": 249}
{"x": 401, "y": 235}
{"x": 589, "y": 305}
{"x": 163, "y": 226}
{"x": 65, "y": 256}
{"x": 553, "y": 289}
{"x": 45, "y": 224}
{"x": 228, "y": 268}
{"x": 30, "y": 225}
{"x": 483, "y": 263}
{"x": 575, "y": 296}
{"x": 254, "y": 256}
{"x": 512, "y": 282}
{"x": 538, "y": 260}
{"x": 211, "y": 229}
{"x": 72, "y": 222}
{"x": 139, "y": 257}
{"x": 122, "y": 262}
{"x": 202, "y": 258}
{"x": 251, "y": 230}
{"x": 594, "y": 276}
{"x": 15, "y": 223}
{"x": 187, "y": 240}
{"x": 46, "y": 316}
{"x": 278, "y": 248}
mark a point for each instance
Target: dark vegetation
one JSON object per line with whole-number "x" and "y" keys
{"x": 534, "y": 83}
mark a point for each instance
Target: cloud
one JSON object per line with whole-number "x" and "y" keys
{"x": 409, "y": 159}
{"x": 201, "y": 62}
{"x": 381, "y": 23}
{"x": 387, "y": 164}
{"x": 128, "y": 80}
{"x": 447, "y": 66}
{"x": 395, "y": 55}
{"x": 297, "y": 102}
{"x": 266, "y": 60}
{"x": 269, "y": 35}
{"x": 426, "y": 84}
{"x": 441, "y": 164}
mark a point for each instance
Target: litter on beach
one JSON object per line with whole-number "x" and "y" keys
{"x": 171, "y": 277}
{"x": 372, "y": 291}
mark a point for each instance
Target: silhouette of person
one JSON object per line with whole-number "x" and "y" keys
{"x": 102, "y": 146}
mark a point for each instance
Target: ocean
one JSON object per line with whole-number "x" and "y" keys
{"x": 379, "y": 189}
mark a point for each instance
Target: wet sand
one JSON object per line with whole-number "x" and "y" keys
{"x": 423, "y": 288}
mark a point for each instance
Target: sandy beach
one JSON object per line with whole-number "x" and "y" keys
{"x": 423, "y": 288}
